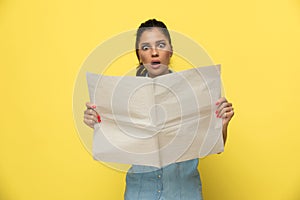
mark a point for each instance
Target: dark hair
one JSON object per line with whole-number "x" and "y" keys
{"x": 149, "y": 24}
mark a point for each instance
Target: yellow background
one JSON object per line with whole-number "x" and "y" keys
{"x": 43, "y": 44}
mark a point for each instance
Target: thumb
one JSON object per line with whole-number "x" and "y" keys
{"x": 90, "y": 105}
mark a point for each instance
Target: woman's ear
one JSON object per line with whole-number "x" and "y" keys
{"x": 139, "y": 57}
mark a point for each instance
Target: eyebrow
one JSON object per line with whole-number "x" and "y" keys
{"x": 159, "y": 41}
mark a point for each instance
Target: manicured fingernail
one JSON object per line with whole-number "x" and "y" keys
{"x": 99, "y": 119}
{"x": 216, "y": 112}
{"x": 217, "y": 103}
{"x": 93, "y": 106}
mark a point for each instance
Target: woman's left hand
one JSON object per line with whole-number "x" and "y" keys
{"x": 224, "y": 110}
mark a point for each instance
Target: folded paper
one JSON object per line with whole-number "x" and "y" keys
{"x": 157, "y": 121}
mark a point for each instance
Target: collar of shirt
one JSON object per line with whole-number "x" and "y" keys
{"x": 170, "y": 71}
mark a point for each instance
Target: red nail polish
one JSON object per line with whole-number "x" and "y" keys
{"x": 99, "y": 119}
{"x": 217, "y": 103}
{"x": 93, "y": 106}
{"x": 216, "y": 112}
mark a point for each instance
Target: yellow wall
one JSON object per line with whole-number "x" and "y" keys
{"x": 43, "y": 44}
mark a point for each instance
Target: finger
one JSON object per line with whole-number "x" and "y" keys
{"x": 231, "y": 113}
{"x": 220, "y": 101}
{"x": 90, "y": 112}
{"x": 91, "y": 117}
{"x": 228, "y": 115}
{"x": 223, "y": 111}
{"x": 90, "y": 123}
{"x": 90, "y": 105}
{"x": 222, "y": 106}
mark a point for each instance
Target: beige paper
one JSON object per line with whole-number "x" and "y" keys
{"x": 159, "y": 121}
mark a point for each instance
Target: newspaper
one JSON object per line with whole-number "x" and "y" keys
{"x": 157, "y": 121}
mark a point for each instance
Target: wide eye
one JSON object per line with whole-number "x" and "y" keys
{"x": 161, "y": 45}
{"x": 145, "y": 47}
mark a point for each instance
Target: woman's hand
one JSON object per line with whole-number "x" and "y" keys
{"x": 91, "y": 117}
{"x": 224, "y": 110}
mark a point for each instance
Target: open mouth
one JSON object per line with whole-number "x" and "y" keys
{"x": 155, "y": 63}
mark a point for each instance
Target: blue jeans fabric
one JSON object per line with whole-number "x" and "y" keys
{"x": 177, "y": 181}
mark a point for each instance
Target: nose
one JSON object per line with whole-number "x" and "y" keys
{"x": 154, "y": 52}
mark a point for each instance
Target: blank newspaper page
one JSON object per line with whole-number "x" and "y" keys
{"x": 157, "y": 121}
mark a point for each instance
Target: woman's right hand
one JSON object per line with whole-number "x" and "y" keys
{"x": 91, "y": 117}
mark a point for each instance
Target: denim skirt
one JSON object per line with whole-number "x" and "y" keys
{"x": 177, "y": 181}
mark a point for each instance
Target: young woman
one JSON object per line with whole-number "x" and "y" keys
{"x": 177, "y": 181}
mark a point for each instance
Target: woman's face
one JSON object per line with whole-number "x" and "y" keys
{"x": 155, "y": 52}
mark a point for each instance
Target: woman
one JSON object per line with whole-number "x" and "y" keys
{"x": 178, "y": 180}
